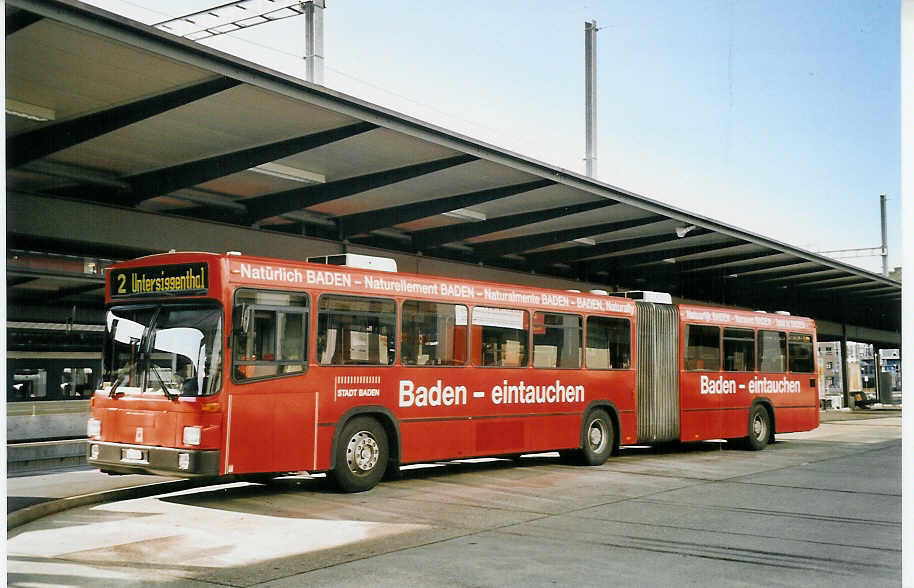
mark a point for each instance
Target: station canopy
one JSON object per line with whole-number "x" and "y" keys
{"x": 106, "y": 111}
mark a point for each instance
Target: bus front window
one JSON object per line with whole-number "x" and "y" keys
{"x": 172, "y": 349}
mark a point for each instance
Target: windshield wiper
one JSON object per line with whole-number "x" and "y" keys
{"x": 117, "y": 382}
{"x": 148, "y": 340}
{"x": 162, "y": 386}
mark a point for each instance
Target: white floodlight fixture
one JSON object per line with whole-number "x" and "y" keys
{"x": 289, "y": 173}
{"x": 465, "y": 214}
{"x": 684, "y": 230}
{"x": 456, "y": 246}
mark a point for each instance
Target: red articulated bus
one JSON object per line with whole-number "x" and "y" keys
{"x": 221, "y": 365}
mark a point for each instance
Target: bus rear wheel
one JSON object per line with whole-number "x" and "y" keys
{"x": 599, "y": 438}
{"x": 361, "y": 455}
{"x": 759, "y": 428}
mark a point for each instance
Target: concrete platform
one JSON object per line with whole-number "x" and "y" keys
{"x": 44, "y": 455}
{"x": 816, "y": 509}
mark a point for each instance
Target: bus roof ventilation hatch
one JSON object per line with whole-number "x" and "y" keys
{"x": 647, "y": 296}
{"x": 371, "y": 262}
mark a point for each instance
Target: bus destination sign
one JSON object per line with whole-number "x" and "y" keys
{"x": 161, "y": 280}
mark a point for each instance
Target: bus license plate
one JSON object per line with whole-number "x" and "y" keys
{"x": 133, "y": 455}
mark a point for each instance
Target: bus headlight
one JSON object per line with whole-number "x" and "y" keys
{"x": 93, "y": 452}
{"x": 183, "y": 461}
{"x": 94, "y": 428}
{"x": 192, "y": 435}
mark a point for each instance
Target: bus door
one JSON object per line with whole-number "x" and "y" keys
{"x": 271, "y": 412}
{"x": 658, "y": 372}
{"x": 739, "y": 362}
{"x": 703, "y": 385}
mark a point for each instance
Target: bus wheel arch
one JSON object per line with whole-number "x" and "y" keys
{"x": 599, "y": 435}
{"x": 610, "y": 409}
{"x": 382, "y": 430}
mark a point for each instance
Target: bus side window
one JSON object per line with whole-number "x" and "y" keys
{"x": 739, "y": 350}
{"x": 702, "y": 348}
{"x": 799, "y": 353}
{"x": 500, "y": 337}
{"x": 274, "y": 341}
{"x": 772, "y": 351}
{"x": 556, "y": 340}
{"x": 353, "y": 330}
{"x": 609, "y": 343}
{"x": 433, "y": 334}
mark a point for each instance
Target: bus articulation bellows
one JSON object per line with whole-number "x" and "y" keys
{"x": 221, "y": 365}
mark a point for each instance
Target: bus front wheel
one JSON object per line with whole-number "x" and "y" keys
{"x": 361, "y": 455}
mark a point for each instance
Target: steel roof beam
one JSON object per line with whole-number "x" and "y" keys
{"x": 363, "y": 222}
{"x": 581, "y": 252}
{"x": 268, "y": 205}
{"x": 500, "y": 247}
{"x": 718, "y": 260}
{"x": 169, "y": 179}
{"x": 631, "y": 262}
{"x": 874, "y": 290}
{"x": 429, "y": 238}
{"x": 773, "y": 267}
{"x": 799, "y": 274}
{"x": 41, "y": 142}
{"x": 867, "y": 284}
{"x": 627, "y": 266}
{"x": 758, "y": 258}
{"x": 19, "y": 20}
{"x": 628, "y": 248}
{"x": 841, "y": 280}
{"x": 675, "y": 246}
{"x": 882, "y": 295}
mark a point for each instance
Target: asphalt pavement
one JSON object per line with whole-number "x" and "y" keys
{"x": 821, "y": 508}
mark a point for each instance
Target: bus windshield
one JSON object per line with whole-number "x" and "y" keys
{"x": 169, "y": 349}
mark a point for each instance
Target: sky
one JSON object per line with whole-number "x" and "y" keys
{"x": 780, "y": 117}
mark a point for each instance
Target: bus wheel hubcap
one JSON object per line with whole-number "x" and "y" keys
{"x": 596, "y": 436}
{"x": 758, "y": 427}
{"x": 362, "y": 452}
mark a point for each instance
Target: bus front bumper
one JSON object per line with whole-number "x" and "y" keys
{"x": 123, "y": 458}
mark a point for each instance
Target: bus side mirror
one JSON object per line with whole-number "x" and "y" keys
{"x": 241, "y": 319}
{"x": 241, "y": 322}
